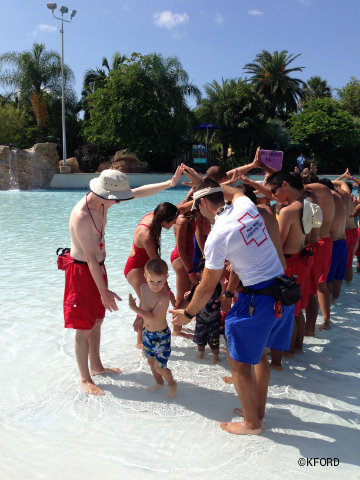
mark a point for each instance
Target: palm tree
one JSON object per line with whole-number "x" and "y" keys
{"x": 316, "y": 87}
{"x": 36, "y": 77}
{"x": 94, "y": 79}
{"x": 116, "y": 61}
{"x": 270, "y": 75}
{"x": 214, "y": 107}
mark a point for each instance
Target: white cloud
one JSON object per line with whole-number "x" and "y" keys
{"x": 43, "y": 28}
{"x": 219, "y": 19}
{"x": 255, "y": 12}
{"x": 169, "y": 20}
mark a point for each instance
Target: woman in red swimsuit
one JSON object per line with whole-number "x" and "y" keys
{"x": 146, "y": 245}
{"x": 182, "y": 259}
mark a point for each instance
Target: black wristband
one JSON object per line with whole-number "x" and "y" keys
{"x": 187, "y": 315}
{"x": 228, "y": 294}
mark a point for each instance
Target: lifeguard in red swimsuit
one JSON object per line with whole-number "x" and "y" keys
{"x": 146, "y": 245}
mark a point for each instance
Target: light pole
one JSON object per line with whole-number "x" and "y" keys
{"x": 63, "y": 9}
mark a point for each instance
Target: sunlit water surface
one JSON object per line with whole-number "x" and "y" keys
{"x": 49, "y": 430}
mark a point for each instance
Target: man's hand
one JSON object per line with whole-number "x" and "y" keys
{"x": 226, "y": 303}
{"x": 194, "y": 177}
{"x": 257, "y": 160}
{"x": 132, "y": 302}
{"x": 179, "y": 318}
{"x": 177, "y": 175}
{"x": 108, "y": 300}
{"x": 194, "y": 278}
{"x": 138, "y": 324}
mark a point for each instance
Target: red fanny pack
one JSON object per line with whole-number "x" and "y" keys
{"x": 64, "y": 259}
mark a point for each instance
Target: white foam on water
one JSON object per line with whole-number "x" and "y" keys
{"x": 50, "y": 430}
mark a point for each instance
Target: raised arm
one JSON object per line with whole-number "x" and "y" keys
{"x": 152, "y": 188}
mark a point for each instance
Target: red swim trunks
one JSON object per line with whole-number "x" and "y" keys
{"x": 316, "y": 268}
{"x": 357, "y": 253}
{"x": 82, "y": 300}
{"x": 351, "y": 240}
{"x": 324, "y": 256}
{"x": 299, "y": 265}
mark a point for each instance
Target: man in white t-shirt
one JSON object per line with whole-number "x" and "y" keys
{"x": 240, "y": 236}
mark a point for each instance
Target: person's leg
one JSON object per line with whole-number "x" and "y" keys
{"x": 311, "y": 316}
{"x": 166, "y": 373}
{"x": 335, "y": 291}
{"x": 136, "y": 278}
{"x": 82, "y": 338}
{"x": 300, "y": 332}
{"x": 96, "y": 366}
{"x": 158, "y": 378}
{"x": 324, "y": 304}
{"x": 276, "y": 357}
{"x": 183, "y": 285}
{"x": 201, "y": 350}
{"x": 246, "y": 389}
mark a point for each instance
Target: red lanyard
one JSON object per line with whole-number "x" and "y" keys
{"x": 101, "y": 244}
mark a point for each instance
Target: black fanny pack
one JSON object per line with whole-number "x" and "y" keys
{"x": 64, "y": 259}
{"x": 286, "y": 290}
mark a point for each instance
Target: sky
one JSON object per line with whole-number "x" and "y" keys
{"x": 212, "y": 39}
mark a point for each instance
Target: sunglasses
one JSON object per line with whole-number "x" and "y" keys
{"x": 275, "y": 189}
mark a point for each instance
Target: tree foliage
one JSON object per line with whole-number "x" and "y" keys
{"x": 36, "y": 77}
{"x": 350, "y": 96}
{"x": 142, "y": 107}
{"x": 237, "y": 109}
{"x": 329, "y": 132}
{"x": 270, "y": 73}
{"x": 15, "y": 127}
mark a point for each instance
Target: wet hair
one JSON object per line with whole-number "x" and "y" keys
{"x": 293, "y": 179}
{"x": 309, "y": 177}
{"x": 216, "y": 173}
{"x": 350, "y": 185}
{"x": 215, "y": 198}
{"x": 328, "y": 183}
{"x": 249, "y": 191}
{"x": 157, "y": 266}
{"x": 164, "y": 212}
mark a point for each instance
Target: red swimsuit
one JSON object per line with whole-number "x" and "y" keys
{"x": 139, "y": 259}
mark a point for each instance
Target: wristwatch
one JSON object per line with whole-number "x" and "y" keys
{"x": 187, "y": 315}
{"x": 228, "y": 294}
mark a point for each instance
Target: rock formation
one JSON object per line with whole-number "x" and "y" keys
{"x": 28, "y": 169}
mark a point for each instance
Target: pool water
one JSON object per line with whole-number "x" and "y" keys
{"x": 50, "y": 430}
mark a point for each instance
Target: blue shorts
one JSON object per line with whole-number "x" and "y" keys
{"x": 338, "y": 261}
{"x": 247, "y": 336}
{"x": 157, "y": 345}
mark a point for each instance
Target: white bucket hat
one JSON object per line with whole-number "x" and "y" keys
{"x": 111, "y": 185}
{"x": 312, "y": 216}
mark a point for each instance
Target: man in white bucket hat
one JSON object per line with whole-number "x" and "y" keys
{"x": 87, "y": 295}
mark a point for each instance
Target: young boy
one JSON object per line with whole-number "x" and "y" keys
{"x": 208, "y": 320}
{"x": 154, "y": 302}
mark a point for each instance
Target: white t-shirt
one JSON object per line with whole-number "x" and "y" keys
{"x": 240, "y": 236}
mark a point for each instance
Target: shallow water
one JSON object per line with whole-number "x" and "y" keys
{"x": 49, "y": 430}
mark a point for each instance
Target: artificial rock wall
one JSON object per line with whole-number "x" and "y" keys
{"x": 28, "y": 169}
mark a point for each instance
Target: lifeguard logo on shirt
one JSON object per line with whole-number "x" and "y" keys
{"x": 253, "y": 229}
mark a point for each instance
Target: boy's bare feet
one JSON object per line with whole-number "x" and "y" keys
{"x": 228, "y": 380}
{"x": 155, "y": 387}
{"x": 105, "y": 370}
{"x": 326, "y": 325}
{"x": 200, "y": 354}
{"x": 91, "y": 389}
{"x": 172, "y": 389}
{"x": 241, "y": 428}
{"x": 216, "y": 358}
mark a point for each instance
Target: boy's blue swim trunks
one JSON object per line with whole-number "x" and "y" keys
{"x": 247, "y": 335}
{"x": 157, "y": 345}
